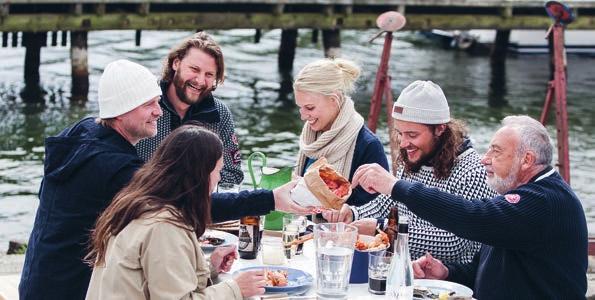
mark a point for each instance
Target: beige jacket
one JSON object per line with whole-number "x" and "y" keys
{"x": 152, "y": 259}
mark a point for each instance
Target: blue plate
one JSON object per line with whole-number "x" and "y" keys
{"x": 298, "y": 280}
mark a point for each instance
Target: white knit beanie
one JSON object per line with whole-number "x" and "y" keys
{"x": 422, "y": 102}
{"x": 124, "y": 86}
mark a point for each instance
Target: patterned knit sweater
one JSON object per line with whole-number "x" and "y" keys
{"x": 215, "y": 116}
{"x": 467, "y": 179}
{"x": 535, "y": 237}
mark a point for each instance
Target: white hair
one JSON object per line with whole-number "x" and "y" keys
{"x": 532, "y": 136}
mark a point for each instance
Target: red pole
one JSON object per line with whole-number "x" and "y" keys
{"x": 548, "y": 102}
{"x": 390, "y": 122}
{"x": 560, "y": 91}
{"x": 381, "y": 80}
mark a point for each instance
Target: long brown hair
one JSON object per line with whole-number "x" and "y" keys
{"x": 201, "y": 41}
{"x": 448, "y": 146}
{"x": 175, "y": 179}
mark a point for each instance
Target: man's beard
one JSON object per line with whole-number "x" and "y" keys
{"x": 503, "y": 185}
{"x": 425, "y": 160}
{"x": 180, "y": 86}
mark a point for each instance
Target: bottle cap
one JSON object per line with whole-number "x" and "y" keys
{"x": 403, "y": 225}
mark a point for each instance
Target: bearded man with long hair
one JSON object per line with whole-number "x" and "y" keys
{"x": 434, "y": 150}
{"x": 191, "y": 72}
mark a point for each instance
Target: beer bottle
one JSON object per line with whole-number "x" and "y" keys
{"x": 249, "y": 237}
{"x": 391, "y": 229}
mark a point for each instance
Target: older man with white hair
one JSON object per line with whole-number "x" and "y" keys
{"x": 534, "y": 234}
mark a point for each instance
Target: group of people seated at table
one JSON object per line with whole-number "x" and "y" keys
{"x": 125, "y": 196}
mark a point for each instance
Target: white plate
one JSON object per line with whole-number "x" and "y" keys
{"x": 229, "y": 239}
{"x": 439, "y": 286}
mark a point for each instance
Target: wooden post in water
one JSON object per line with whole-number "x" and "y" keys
{"x": 64, "y": 38}
{"x": 33, "y": 41}
{"x": 500, "y": 47}
{"x": 331, "y": 41}
{"x": 15, "y": 39}
{"x": 287, "y": 49}
{"x": 314, "y": 38}
{"x": 137, "y": 37}
{"x": 79, "y": 64}
{"x": 498, "y": 53}
{"x": 54, "y": 38}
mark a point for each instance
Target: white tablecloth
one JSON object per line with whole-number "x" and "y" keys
{"x": 306, "y": 262}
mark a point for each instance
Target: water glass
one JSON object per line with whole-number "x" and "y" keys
{"x": 290, "y": 222}
{"x": 289, "y": 235}
{"x": 272, "y": 251}
{"x": 334, "y": 244}
{"x": 378, "y": 265}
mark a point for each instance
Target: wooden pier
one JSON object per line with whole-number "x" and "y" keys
{"x": 36, "y": 18}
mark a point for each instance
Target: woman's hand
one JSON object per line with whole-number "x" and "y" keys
{"x": 342, "y": 215}
{"x": 251, "y": 283}
{"x": 284, "y": 203}
{"x": 222, "y": 258}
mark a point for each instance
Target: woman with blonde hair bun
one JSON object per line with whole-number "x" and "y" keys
{"x": 332, "y": 127}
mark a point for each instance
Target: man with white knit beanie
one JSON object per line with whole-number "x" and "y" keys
{"x": 85, "y": 166}
{"x": 434, "y": 150}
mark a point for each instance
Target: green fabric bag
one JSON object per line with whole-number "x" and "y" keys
{"x": 270, "y": 178}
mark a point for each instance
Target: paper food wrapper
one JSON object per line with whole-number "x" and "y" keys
{"x": 321, "y": 186}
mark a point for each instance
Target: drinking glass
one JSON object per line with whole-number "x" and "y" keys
{"x": 289, "y": 235}
{"x": 272, "y": 251}
{"x": 378, "y": 265}
{"x": 291, "y": 221}
{"x": 334, "y": 244}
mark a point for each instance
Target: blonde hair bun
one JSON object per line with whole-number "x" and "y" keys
{"x": 328, "y": 76}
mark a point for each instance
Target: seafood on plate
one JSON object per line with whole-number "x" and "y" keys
{"x": 276, "y": 277}
{"x": 379, "y": 242}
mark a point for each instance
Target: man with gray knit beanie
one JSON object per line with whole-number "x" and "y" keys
{"x": 435, "y": 151}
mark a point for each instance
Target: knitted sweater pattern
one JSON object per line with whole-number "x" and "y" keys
{"x": 467, "y": 179}
{"x": 223, "y": 126}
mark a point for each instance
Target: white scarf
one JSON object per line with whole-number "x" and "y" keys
{"x": 336, "y": 144}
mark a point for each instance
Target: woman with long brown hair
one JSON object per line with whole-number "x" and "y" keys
{"x": 145, "y": 244}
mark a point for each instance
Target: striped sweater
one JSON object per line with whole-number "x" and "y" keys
{"x": 467, "y": 179}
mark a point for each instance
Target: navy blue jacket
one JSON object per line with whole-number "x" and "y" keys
{"x": 85, "y": 166}
{"x": 368, "y": 150}
{"x": 535, "y": 237}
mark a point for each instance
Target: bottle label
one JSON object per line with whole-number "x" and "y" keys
{"x": 246, "y": 238}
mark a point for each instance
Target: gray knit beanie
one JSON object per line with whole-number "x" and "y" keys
{"x": 422, "y": 102}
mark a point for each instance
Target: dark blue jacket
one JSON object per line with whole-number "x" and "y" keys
{"x": 535, "y": 237}
{"x": 85, "y": 166}
{"x": 368, "y": 150}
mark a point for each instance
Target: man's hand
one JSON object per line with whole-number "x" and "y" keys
{"x": 284, "y": 203}
{"x": 374, "y": 179}
{"x": 222, "y": 258}
{"x": 344, "y": 215}
{"x": 365, "y": 226}
{"x": 429, "y": 268}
